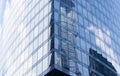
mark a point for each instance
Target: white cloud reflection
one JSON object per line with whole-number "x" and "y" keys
{"x": 100, "y": 39}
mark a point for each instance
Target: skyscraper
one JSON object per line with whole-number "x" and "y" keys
{"x": 60, "y": 38}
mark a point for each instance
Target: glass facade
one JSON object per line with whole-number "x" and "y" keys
{"x": 26, "y": 37}
{"x": 82, "y": 25}
{"x": 55, "y": 38}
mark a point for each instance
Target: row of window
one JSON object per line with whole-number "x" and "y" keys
{"x": 28, "y": 41}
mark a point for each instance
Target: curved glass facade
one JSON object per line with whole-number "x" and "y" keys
{"x": 26, "y": 39}
{"x": 60, "y": 38}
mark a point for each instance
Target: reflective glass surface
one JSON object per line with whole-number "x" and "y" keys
{"x": 82, "y": 25}
{"x": 26, "y": 38}
{"x": 38, "y": 35}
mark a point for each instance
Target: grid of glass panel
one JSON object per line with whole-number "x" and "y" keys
{"x": 84, "y": 24}
{"x": 79, "y": 25}
{"x": 26, "y": 37}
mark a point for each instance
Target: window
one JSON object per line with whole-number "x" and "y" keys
{"x": 45, "y": 49}
{"x": 45, "y": 63}
{"x": 40, "y": 53}
{"x": 39, "y": 68}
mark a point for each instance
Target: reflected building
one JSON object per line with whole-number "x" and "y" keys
{"x": 60, "y": 38}
{"x": 99, "y": 66}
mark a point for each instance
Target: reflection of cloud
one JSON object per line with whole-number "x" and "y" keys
{"x": 102, "y": 39}
{"x": 102, "y": 35}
